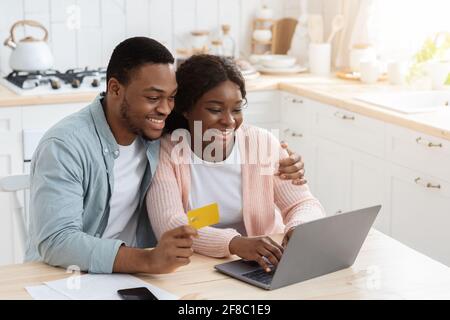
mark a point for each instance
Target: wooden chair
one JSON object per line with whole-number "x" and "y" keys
{"x": 283, "y": 31}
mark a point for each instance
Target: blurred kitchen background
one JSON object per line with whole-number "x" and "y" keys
{"x": 82, "y": 33}
{"x": 359, "y": 88}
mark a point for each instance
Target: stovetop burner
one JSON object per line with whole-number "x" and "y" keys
{"x": 74, "y": 77}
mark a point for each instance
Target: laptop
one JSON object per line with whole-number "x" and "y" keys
{"x": 316, "y": 248}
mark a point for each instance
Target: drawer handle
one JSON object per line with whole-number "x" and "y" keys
{"x": 298, "y": 135}
{"x": 293, "y": 133}
{"x": 419, "y": 181}
{"x": 294, "y": 100}
{"x": 429, "y": 144}
{"x": 343, "y": 116}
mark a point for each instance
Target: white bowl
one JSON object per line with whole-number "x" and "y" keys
{"x": 262, "y": 35}
{"x": 255, "y": 58}
{"x": 278, "y": 61}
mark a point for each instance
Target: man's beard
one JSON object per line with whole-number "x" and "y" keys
{"x": 124, "y": 114}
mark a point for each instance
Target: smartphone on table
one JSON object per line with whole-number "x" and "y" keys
{"x": 141, "y": 293}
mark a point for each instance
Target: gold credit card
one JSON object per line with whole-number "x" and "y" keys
{"x": 204, "y": 216}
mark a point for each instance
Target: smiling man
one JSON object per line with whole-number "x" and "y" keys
{"x": 91, "y": 171}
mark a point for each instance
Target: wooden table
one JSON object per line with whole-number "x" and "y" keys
{"x": 384, "y": 269}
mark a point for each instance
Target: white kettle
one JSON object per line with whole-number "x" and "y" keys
{"x": 29, "y": 54}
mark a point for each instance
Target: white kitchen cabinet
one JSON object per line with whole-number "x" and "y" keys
{"x": 421, "y": 212}
{"x": 419, "y": 151}
{"x": 326, "y": 163}
{"x": 332, "y": 180}
{"x": 369, "y": 186}
{"x": 10, "y": 140}
{"x": 303, "y": 143}
{"x": 343, "y": 179}
{"x": 297, "y": 112}
{"x": 350, "y": 129}
{"x": 10, "y": 163}
{"x": 263, "y": 110}
{"x": 45, "y": 116}
{"x": 358, "y": 162}
{"x": 296, "y": 120}
{"x": 338, "y": 147}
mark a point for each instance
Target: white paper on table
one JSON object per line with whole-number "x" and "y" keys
{"x": 42, "y": 292}
{"x": 103, "y": 287}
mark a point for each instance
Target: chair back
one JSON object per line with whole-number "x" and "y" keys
{"x": 18, "y": 186}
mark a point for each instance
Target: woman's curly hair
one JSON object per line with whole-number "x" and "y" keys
{"x": 196, "y": 76}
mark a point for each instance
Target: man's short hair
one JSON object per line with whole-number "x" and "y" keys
{"x": 134, "y": 52}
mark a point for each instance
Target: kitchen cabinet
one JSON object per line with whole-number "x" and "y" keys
{"x": 354, "y": 161}
{"x": 303, "y": 143}
{"x": 356, "y": 149}
{"x": 421, "y": 212}
{"x": 263, "y": 110}
{"x": 343, "y": 179}
{"x": 297, "y": 111}
{"x": 45, "y": 116}
{"x": 340, "y": 175}
{"x": 296, "y": 120}
{"x": 419, "y": 152}
{"x": 326, "y": 163}
{"x": 10, "y": 163}
{"x": 420, "y": 195}
{"x": 350, "y": 129}
{"x": 369, "y": 185}
{"x": 332, "y": 184}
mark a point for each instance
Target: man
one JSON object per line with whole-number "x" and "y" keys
{"x": 91, "y": 171}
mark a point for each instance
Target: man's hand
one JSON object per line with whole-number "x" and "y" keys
{"x": 257, "y": 249}
{"x": 173, "y": 251}
{"x": 292, "y": 167}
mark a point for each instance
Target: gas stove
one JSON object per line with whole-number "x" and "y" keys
{"x": 56, "y": 82}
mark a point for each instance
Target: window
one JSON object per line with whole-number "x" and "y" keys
{"x": 398, "y": 28}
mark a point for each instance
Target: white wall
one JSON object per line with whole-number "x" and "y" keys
{"x": 84, "y": 32}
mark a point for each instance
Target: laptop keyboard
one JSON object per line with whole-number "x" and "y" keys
{"x": 260, "y": 275}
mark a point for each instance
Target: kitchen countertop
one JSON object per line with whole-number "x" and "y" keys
{"x": 330, "y": 90}
{"x": 9, "y": 98}
{"x": 341, "y": 94}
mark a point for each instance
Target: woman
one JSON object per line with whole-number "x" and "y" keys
{"x": 216, "y": 158}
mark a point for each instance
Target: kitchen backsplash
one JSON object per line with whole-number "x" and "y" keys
{"x": 84, "y": 32}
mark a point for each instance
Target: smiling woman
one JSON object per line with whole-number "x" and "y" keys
{"x": 221, "y": 161}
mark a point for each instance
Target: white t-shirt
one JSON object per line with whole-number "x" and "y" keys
{"x": 219, "y": 182}
{"x": 129, "y": 169}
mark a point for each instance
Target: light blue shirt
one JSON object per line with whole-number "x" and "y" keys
{"x": 71, "y": 185}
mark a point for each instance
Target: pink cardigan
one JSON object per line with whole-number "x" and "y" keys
{"x": 168, "y": 196}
